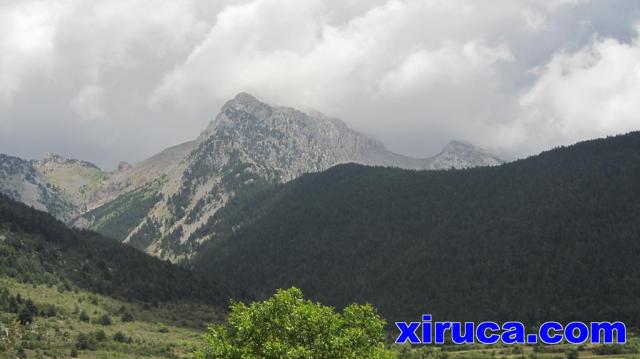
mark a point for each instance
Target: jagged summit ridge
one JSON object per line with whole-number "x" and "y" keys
{"x": 54, "y": 183}
{"x": 52, "y": 161}
{"x": 243, "y": 98}
{"x": 250, "y": 144}
{"x": 165, "y": 204}
{"x": 245, "y": 115}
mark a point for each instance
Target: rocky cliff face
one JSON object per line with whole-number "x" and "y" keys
{"x": 54, "y": 184}
{"x": 164, "y": 204}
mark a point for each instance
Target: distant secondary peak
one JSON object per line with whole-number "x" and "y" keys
{"x": 50, "y": 156}
{"x": 460, "y": 154}
{"x": 53, "y": 159}
{"x": 459, "y": 144}
{"x": 123, "y": 166}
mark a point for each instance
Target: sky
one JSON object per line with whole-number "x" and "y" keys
{"x": 112, "y": 80}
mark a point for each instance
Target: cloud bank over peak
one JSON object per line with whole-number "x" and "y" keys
{"x": 512, "y": 76}
{"x": 583, "y": 94}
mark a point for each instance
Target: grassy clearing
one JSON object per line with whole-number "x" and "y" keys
{"x": 166, "y": 331}
{"x": 175, "y": 330}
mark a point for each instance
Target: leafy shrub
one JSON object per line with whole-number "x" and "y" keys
{"x": 100, "y": 335}
{"x": 25, "y": 316}
{"x": 20, "y": 353}
{"x": 105, "y": 319}
{"x": 288, "y": 326}
{"x": 127, "y": 317}
{"x": 121, "y": 338}
{"x": 572, "y": 354}
{"x": 84, "y": 317}
{"x": 86, "y": 342}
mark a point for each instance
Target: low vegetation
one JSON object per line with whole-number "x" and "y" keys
{"x": 119, "y": 217}
{"x": 40, "y": 321}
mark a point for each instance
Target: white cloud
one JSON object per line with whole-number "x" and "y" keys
{"x": 300, "y": 57}
{"x": 450, "y": 64}
{"x": 374, "y": 69}
{"x": 89, "y": 103}
{"x": 414, "y": 73}
{"x": 27, "y": 31}
{"x": 592, "y": 92}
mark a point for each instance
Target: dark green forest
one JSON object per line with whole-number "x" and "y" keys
{"x": 36, "y": 248}
{"x": 120, "y": 216}
{"x": 554, "y": 236}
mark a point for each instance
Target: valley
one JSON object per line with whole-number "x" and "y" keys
{"x": 451, "y": 242}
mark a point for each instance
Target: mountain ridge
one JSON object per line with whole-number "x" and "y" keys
{"x": 159, "y": 204}
{"x": 529, "y": 240}
{"x": 35, "y": 247}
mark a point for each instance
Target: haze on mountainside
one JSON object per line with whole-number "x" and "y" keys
{"x": 106, "y": 81}
{"x": 159, "y": 205}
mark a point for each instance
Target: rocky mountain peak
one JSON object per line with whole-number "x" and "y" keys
{"x": 244, "y": 99}
{"x": 123, "y": 166}
{"x": 170, "y": 200}
{"x": 52, "y": 157}
{"x": 461, "y": 154}
{"x": 52, "y": 160}
{"x": 241, "y": 103}
{"x": 245, "y": 102}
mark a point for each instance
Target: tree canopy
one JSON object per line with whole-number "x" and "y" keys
{"x": 287, "y": 326}
{"x": 37, "y": 248}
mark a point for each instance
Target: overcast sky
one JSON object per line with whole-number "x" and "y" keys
{"x": 111, "y": 80}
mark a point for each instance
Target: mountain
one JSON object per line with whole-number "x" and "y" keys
{"x": 54, "y": 184}
{"x": 127, "y": 178}
{"x": 249, "y": 146}
{"x": 164, "y": 204}
{"x": 551, "y": 237}
{"x": 37, "y": 248}
{"x": 69, "y": 293}
{"x": 460, "y": 155}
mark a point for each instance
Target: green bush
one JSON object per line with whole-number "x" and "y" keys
{"x": 20, "y": 353}
{"x": 84, "y": 317}
{"x": 121, "y": 338}
{"x": 100, "y": 335}
{"x": 105, "y": 320}
{"x": 572, "y": 354}
{"x": 25, "y": 316}
{"x": 86, "y": 342}
{"x": 288, "y": 326}
{"x": 127, "y": 317}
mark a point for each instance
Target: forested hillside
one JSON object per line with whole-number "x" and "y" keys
{"x": 554, "y": 236}
{"x": 36, "y": 248}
